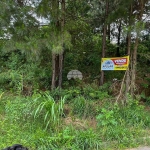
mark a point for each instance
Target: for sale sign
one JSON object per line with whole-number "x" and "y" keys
{"x": 116, "y": 63}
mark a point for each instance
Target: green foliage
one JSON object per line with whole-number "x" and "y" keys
{"x": 48, "y": 110}
{"x": 62, "y": 140}
{"x": 123, "y": 124}
{"x": 37, "y": 121}
{"x": 73, "y": 93}
{"x": 95, "y": 93}
{"x": 10, "y": 79}
{"x": 145, "y": 98}
{"x": 17, "y": 109}
{"x": 70, "y": 139}
{"x": 87, "y": 139}
{"x": 133, "y": 114}
{"x": 1, "y": 104}
{"x": 79, "y": 105}
{"x": 89, "y": 92}
{"x": 18, "y": 71}
{"x": 13, "y": 121}
{"x": 106, "y": 118}
{"x": 11, "y": 134}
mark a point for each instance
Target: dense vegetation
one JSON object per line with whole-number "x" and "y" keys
{"x": 40, "y": 108}
{"x": 72, "y": 119}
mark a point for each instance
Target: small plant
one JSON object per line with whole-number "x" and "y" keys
{"x": 79, "y": 105}
{"x": 72, "y": 93}
{"x": 62, "y": 140}
{"x": 106, "y": 118}
{"x": 87, "y": 140}
{"x": 48, "y": 110}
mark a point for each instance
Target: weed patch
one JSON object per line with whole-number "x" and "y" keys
{"x": 41, "y": 122}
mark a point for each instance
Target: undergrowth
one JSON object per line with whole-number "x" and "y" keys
{"x": 38, "y": 121}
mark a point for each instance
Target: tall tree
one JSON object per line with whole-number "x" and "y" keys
{"x": 139, "y": 7}
{"x": 104, "y": 38}
{"x": 56, "y": 63}
{"x": 62, "y": 32}
{"x": 127, "y": 81}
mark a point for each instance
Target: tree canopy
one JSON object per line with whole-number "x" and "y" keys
{"x": 56, "y": 36}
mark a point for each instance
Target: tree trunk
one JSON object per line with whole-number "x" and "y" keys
{"x": 133, "y": 71}
{"x": 108, "y": 32}
{"x": 62, "y": 33}
{"x": 127, "y": 82}
{"x": 103, "y": 52}
{"x": 55, "y": 70}
{"x": 104, "y": 42}
{"x": 108, "y": 26}
{"x": 134, "y": 57}
{"x": 57, "y": 59}
{"x": 118, "y": 40}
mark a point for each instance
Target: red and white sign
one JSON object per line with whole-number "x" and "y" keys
{"x": 117, "y": 63}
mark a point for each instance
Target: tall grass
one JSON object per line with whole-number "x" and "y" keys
{"x": 48, "y": 111}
